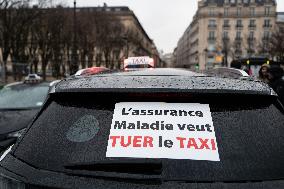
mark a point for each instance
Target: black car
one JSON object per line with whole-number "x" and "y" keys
{"x": 19, "y": 103}
{"x": 162, "y": 128}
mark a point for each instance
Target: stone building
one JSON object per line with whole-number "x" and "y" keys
{"x": 223, "y": 30}
{"x": 105, "y": 36}
{"x": 135, "y": 40}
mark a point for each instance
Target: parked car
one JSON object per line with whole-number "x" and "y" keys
{"x": 19, "y": 103}
{"x": 92, "y": 71}
{"x": 160, "y": 128}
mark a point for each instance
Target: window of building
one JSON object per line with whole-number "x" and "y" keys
{"x": 252, "y": 11}
{"x": 211, "y": 11}
{"x": 251, "y": 47}
{"x": 239, "y": 23}
{"x": 267, "y": 11}
{"x": 251, "y": 35}
{"x": 226, "y": 12}
{"x": 211, "y": 35}
{"x": 266, "y": 35}
{"x": 225, "y": 35}
{"x": 239, "y": 11}
{"x": 252, "y": 23}
{"x": 267, "y": 23}
{"x": 226, "y": 23}
{"x": 238, "y": 35}
{"x": 212, "y": 23}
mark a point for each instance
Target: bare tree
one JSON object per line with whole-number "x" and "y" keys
{"x": 226, "y": 49}
{"x": 109, "y": 30}
{"x": 16, "y": 20}
{"x": 236, "y": 49}
{"x": 276, "y": 45}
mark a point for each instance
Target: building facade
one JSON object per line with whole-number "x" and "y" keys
{"x": 280, "y": 20}
{"x": 95, "y": 36}
{"x": 224, "y": 30}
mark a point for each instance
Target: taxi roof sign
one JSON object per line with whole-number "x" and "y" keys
{"x": 141, "y": 60}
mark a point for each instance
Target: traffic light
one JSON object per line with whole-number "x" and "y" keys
{"x": 268, "y": 62}
{"x": 197, "y": 66}
{"x": 248, "y": 62}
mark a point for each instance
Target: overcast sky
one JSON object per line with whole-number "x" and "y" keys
{"x": 164, "y": 20}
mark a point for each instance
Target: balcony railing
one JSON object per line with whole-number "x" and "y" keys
{"x": 238, "y": 39}
{"x": 265, "y": 38}
{"x": 239, "y": 27}
{"x": 211, "y": 39}
{"x": 251, "y": 38}
{"x": 267, "y": 26}
{"x": 212, "y": 26}
{"x": 234, "y": 15}
{"x": 226, "y": 26}
{"x": 252, "y": 27}
{"x": 225, "y": 38}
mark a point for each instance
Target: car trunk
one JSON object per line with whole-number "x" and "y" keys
{"x": 72, "y": 132}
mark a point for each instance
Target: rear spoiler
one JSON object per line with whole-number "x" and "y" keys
{"x": 228, "y": 73}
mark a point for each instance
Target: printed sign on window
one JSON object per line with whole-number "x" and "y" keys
{"x": 162, "y": 130}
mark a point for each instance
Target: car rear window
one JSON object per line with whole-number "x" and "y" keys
{"x": 74, "y": 129}
{"x": 23, "y": 96}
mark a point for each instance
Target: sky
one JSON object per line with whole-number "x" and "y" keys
{"x": 163, "y": 20}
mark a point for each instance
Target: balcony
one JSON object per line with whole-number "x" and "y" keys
{"x": 265, "y": 38}
{"x": 251, "y": 39}
{"x": 226, "y": 27}
{"x": 239, "y": 27}
{"x": 267, "y": 26}
{"x": 233, "y": 14}
{"x": 225, "y": 38}
{"x": 252, "y": 27}
{"x": 211, "y": 39}
{"x": 212, "y": 26}
{"x": 238, "y": 39}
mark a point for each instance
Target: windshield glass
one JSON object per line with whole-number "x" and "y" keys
{"x": 76, "y": 133}
{"x": 23, "y": 96}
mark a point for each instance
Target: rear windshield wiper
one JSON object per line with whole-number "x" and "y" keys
{"x": 129, "y": 167}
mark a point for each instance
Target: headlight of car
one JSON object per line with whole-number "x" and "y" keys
{"x": 10, "y": 183}
{"x": 16, "y": 134}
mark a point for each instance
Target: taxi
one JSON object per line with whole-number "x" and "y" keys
{"x": 19, "y": 103}
{"x": 151, "y": 128}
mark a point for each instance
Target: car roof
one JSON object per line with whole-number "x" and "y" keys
{"x": 162, "y": 80}
{"x": 28, "y": 84}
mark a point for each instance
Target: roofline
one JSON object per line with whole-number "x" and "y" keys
{"x": 128, "y": 10}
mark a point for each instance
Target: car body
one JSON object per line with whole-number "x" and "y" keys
{"x": 19, "y": 103}
{"x": 69, "y": 145}
{"x": 92, "y": 71}
{"x": 33, "y": 78}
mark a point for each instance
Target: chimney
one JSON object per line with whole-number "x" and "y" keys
{"x": 201, "y": 3}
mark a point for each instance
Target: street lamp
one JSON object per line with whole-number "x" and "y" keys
{"x": 74, "y": 58}
{"x": 125, "y": 38}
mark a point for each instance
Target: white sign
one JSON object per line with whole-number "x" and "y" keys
{"x": 138, "y": 60}
{"x": 162, "y": 130}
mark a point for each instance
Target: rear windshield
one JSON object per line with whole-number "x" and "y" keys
{"x": 23, "y": 96}
{"x": 74, "y": 130}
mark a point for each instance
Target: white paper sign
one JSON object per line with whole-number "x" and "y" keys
{"x": 162, "y": 130}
